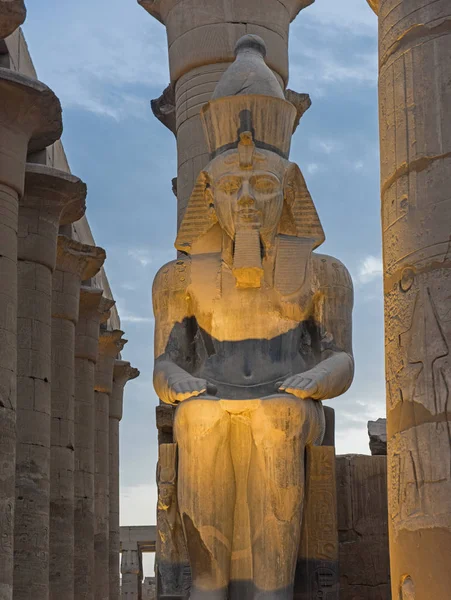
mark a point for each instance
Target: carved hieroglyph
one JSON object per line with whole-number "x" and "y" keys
{"x": 253, "y": 330}
{"x": 415, "y": 130}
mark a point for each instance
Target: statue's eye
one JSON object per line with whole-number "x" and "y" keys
{"x": 265, "y": 185}
{"x": 230, "y": 186}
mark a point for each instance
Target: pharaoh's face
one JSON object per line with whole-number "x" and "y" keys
{"x": 248, "y": 198}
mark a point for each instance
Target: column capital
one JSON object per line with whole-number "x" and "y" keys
{"x": 122, "y": 373}
{"x": 110, "y": 345}
{"x": 30, "y": 120}
{"x": 94, "y": 309}
{"x": 374, "y": 4}
{"x": 47, "y": 193}
{"x": 93, "y": 303}
{"x": 159, "y": 9}
{"x": 12, "y": 16}
{"x": 79, "y": 259}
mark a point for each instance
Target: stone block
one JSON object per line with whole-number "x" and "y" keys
{"x": 377, "y": 430}
{"x": 363, "y": 527}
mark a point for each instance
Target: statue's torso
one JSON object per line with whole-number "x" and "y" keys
{"x": 247, "y": 340}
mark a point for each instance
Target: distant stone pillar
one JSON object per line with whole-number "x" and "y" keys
{"x": 12, "y": 15}
{"x": 201, "y": 47}
{"x": 30, "y": 117}
{"x": 122, "y": 373}
{"x": 110, "y": 345}
{"x": 47, "y": 193}
{"x": 132, "y": 572}
{"x": 75, "y": 263}
{"x": 415, "y": 137}
{"x": 94, "y": 310}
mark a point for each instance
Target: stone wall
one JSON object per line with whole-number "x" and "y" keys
{"x": 363, "y": 527}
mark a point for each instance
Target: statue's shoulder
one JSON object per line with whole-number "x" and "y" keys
{"x": 173, "y": 277}
{"x": 329, "y": 271}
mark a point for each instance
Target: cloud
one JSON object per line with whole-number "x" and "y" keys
{"x": 313, "y": 168}
{"x": 371, "y": 268}
{"x": 141, "y": 255}
{"x": 107, "y": 50}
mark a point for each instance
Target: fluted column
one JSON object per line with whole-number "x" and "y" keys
{"x": 12, "y": 15}
{"x": 30, "y": 116}
{"x": 415, "y": 138}
{"x": 75, "y": 263}
{"x": 122, "y": 373}
{"x": 110, "y": 345}
{"x": 48, "y": 193}
{"x": 201, "y": 46}
{"x": 94, "y": 310}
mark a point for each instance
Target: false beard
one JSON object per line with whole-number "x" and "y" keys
{"x": 247, "y": 259}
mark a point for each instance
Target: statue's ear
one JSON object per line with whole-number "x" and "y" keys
{"x": 200, "y": 215}
{"x": 302, "y": 211}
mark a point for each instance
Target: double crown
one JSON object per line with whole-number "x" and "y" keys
{"x": 249, "y": 98}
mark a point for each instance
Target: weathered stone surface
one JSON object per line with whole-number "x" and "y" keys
{"x": 164, "y": 108}
{"x": 414, "y": 97}
{"x": 253, "y": 282}
{"x": 47, "y": 193}
{"x": 122, "y": 373}
{"x": 377, "y": 430}
{"x": 317, "y": 572}
{"x": 75, "y": 263}
{"x": 374, "y": 5}
{"x": 12, "y": 15}
{"x": 28, "y": 110}
{"x": 94, "y": 310}
{"x": 363, "y": 527}
{"x": 110, "y": 346}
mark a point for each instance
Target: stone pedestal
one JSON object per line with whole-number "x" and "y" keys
{"x": 415, "y": 136}
{"x": 122, "y": 373}
{"x": 75, "y": 263}
{"x": 94, "y": 310}
{"x": 110, "y": 345}
{"x": 12, "y": 15}
{"x": 47, "y": 193}
{"x": 201, "y": 47}
{"x": 30, "y": 116}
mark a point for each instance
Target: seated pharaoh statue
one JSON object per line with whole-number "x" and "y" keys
{"x": 253, "y": 332}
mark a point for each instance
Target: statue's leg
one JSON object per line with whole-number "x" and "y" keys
{"x": 281, "y": 427}
{"x": 206, "y": 494}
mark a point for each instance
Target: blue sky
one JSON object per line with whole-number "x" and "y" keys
{"x": 106, "y": 59}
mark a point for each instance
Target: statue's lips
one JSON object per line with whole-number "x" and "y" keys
{"x": 248, "y": 214}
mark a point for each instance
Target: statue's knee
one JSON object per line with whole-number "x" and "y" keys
{"x": 280, "y": 418}
{"x": 198, "y": 417}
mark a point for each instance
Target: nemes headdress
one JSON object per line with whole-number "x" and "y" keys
{"x": 248, "y": 108}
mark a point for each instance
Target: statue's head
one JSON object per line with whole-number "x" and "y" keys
{"x": 245, "y": 189}
{"x": 250, "y": 188}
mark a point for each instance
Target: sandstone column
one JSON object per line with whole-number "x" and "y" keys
{"x": 75, "y": 263}
{"x": 415, "y": 132}
{"x": 110, "y": 345}
{"x": 131, "y": 570}
{"x": 122, "y": 373}
{"x": 12, "y": 15}
{"x": 30, "y": 117}
{"x": 94, "y": 310}
{"x": 47, "y": 193}
{"x": 201, "y": 47}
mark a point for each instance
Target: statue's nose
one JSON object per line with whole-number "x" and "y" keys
{"x": 246, "y": 199}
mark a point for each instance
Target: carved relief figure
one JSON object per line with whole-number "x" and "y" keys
{"x": 252, "y": 327}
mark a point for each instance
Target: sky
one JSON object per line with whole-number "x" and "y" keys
{"x": 106, "y": 59}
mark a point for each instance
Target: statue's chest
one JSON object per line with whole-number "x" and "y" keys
{"x": 229, "y": 313}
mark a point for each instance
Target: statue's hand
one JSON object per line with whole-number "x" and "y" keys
{"x": 182, "y": 387}
{"x": 305, "y": 385}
